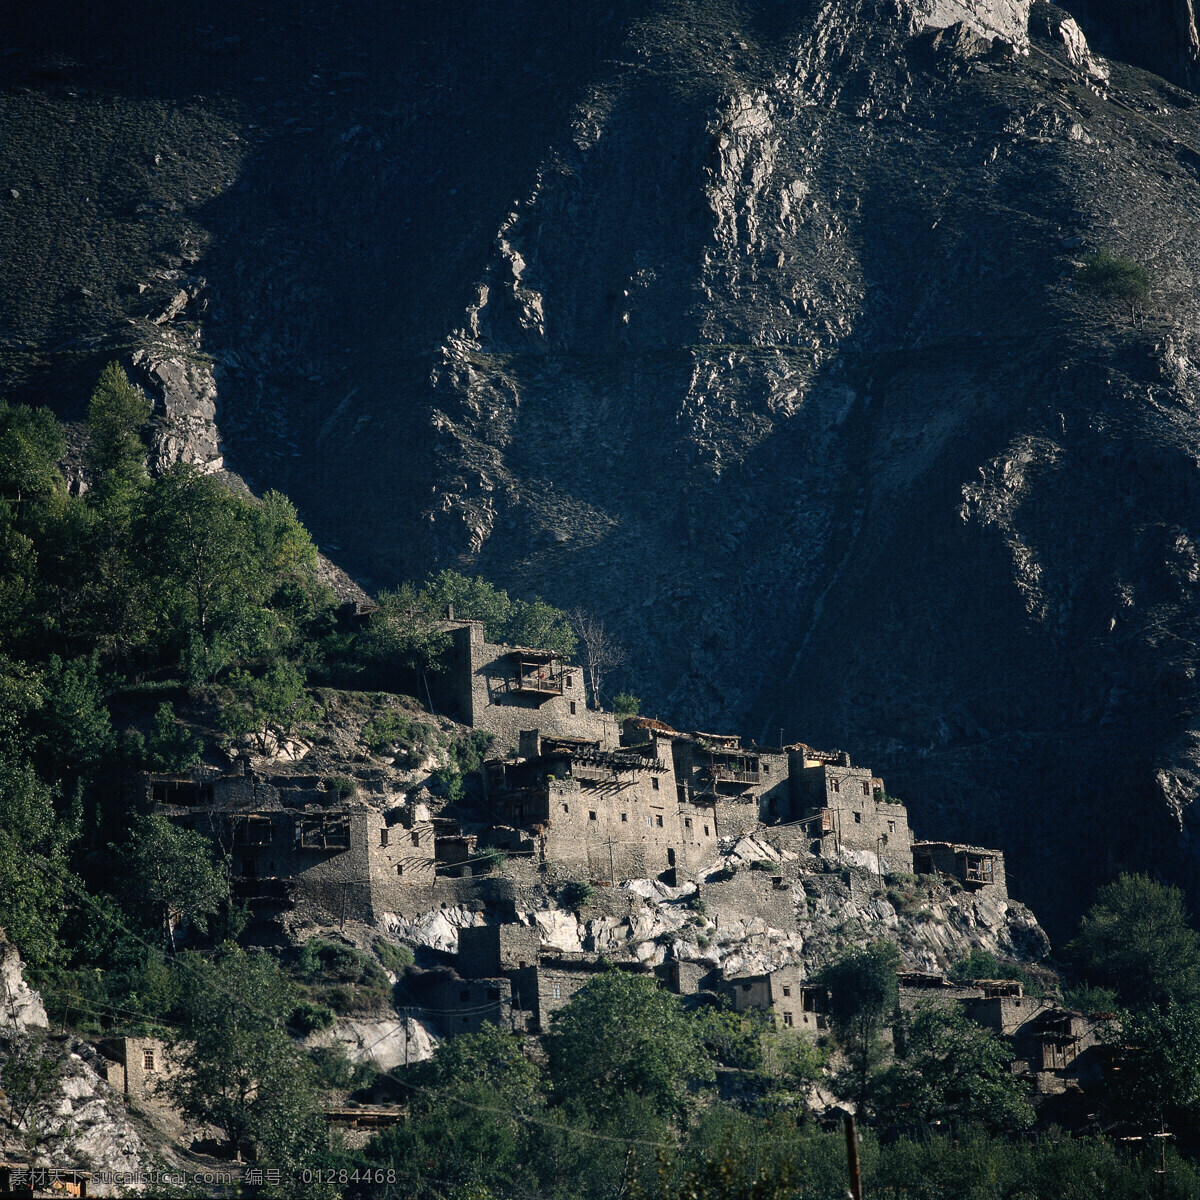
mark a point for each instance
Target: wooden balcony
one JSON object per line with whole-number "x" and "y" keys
{"x": 538, "y": 678}
{"x": 723, "y": 774}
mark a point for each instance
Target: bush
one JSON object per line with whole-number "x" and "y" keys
{"x": 576, "y": 894}
{"x": 308, "y": 1017}
{"x": 327, "y": 962}
{"x": 448, "y": 781}
{"x": 389, "y": 729}
{"x": 396, "y": 959}
{"x": 1104, "y": 273}
{"x": 340, "y": 786}
{"x": 492, "y": 859}
{"x": 625, "y": 704}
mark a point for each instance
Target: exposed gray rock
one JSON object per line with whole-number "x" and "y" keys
{"x": 184, "y": 394}
{"x": 21, "y": 1007}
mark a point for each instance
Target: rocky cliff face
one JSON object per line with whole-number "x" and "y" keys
{"x": 1160, "y": 35}
{"x": 751, "y": 326}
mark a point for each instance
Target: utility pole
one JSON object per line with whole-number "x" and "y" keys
{"x": 852, "y": 1159}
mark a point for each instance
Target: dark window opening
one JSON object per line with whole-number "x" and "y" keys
{"x": 591, "y": 816}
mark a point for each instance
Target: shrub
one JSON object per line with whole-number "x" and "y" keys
{"x": 340, "y": 786}
{"x": 575, "y": 894}
{"x": 625, "y": 704}
{"x": 1104, "y": 273}
{"x": 308, "y": 1017}
{"x": 448, "y": 781}
{"x": 492, "y": 859}
{"x": 389, "y": 729}
{"x": 396, "y": 959}
{"x": 324, "y": 962}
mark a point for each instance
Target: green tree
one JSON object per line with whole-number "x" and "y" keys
{"x": 1136, "y": 940}
{"x": 34, "y": 871}
{"x": 171, "y": 747}
{"x": 170, "y": 873}
{"x": 468, "y": 1119}
{"x": 117, "y": 413}
{"x": 863, "y": 994}
{"x": 274, "y": 702}
{"x": 1105, "y": 273}
{"x": 621, "y": 1035}
{"x": 31, "y": 1072}
{"x": 952, "y": 1069}
{"x": 239, "y": 1069}
{"x": 75, "y": 728}
{"x": 515, "y": 622}
{"x": 199, "y": 543}
{"x": 31, "y": 445}
{"x": 1157, "y": 1053}
{"x": 407, "y": 631}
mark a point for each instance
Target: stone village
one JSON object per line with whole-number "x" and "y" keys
{"x": 645, "y": 822}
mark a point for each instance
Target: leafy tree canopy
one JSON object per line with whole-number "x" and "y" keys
{"x": 1136, "y": 940}
{"x": 31, "y": 444}
{"x": 240, "y": 1070}
{"x": 953, "y": 1069}
{"x": 166, "y": 871}
{"x": 505, "y": 620}
{"x": 620, "y": 1035}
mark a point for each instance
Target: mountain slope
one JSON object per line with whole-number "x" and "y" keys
{"x": 754, "y": 327}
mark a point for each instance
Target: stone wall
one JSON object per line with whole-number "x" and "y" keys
{"x": 477, "y": 689}
{"x": 138, "y": 1066}
{"x": 858, "y": 820}
{"x": 496, "y": 949}
{"x": 977, "y": 868}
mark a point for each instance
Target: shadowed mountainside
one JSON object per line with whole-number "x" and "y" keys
{"x": 754, "y": 327}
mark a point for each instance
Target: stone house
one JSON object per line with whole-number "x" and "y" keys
{"x": 744, "y": 785}
{"x": 1057, "y": 1047}
{"x": 137, "y": 1066}
{"x": 783, "y": 994}
{"x": 464, "y": 1005}
{"x": 506, "y": 689}
{"x": 977, "y": 869}
{"x": 603, "y": 814}
{"x": 497, "y": 949}
{"x": 848, "y": 811}
{"x": 343, "y": 860}
{"x": 542, "y": 981}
